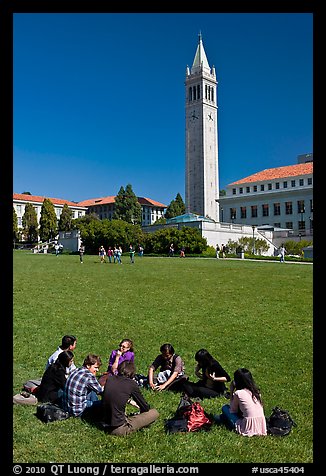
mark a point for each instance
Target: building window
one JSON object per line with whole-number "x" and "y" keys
{"x": 269, "y": 186}
{"x": 19, "y": 209}
{"x": 277, "y": 185}
{"x": 288, "y": 208}
{"x": 262, "y": 187}
{"x": 301, "y": 182}
{"x": 301, "y": 225}
{"x": 233, "y": 214}
{"x": 190, "y": 94}
{"x": 255, "y": 188}
{"x": 80, "y": 214}
{"x": 285, "y": 184}
{"x": 19, "y": 221}
{"x": 198, "y": 91}
{"x": 248, "y": 189}
{"x": 254, "y": 213}
{"x": 240, "y": 190}
{"x": 289, "y": 225}
{"x": 311, "y": 205}
{"x": 277, "y": 225}
{"x": 234, "y": 191}
{"x": 301, "y": 207}
{"x": 277, "y": 209}
{"x": 243, "y": 212}
{"x": 265, "y": 210}
{"x": 310, "y": 181}
{"x": 292, "y": 183}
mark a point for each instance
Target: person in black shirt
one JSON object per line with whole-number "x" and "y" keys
{"x": 54, "y": 379}
{"x": 118, "y": 391}
{"x": 212, "y": 377}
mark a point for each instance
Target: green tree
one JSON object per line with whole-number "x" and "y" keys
{"x": 48, "y": 221}
{"x": 30, "y": 225}
{"x": 176, "y": 207}
{"x": 109, "y": 233}
{"x": 187, "y": 237}
{"x": 65, "y": 221}
{"x": 15, "y": 224}
{"x": 127, "y": 207}
{"x": 26, "y": 193}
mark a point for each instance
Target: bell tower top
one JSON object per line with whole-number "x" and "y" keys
{"x": 200, "y": 61}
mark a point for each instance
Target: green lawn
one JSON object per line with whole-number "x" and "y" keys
{"x": 246, "y": 313}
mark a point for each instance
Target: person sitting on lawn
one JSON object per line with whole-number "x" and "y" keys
{"x": 125, "y": 351}
{"x": 245, "y": 413}
{"x": 119, "y": 390}
{"x": 212, "y": 377}
{"x": 82, "y": 387}
{"x": 54, "y": 379}
{"x": 68, "y": 342}
{"x": 172, "y": 370}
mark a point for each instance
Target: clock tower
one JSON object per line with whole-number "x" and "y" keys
{"x": 202, "y": 184}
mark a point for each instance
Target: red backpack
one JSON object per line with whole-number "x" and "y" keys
{"x": 196, "y": 418}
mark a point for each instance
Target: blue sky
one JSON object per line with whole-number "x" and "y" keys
{"x": 99, "y": 99}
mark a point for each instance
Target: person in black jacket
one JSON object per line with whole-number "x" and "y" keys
{"x": 118, "y": 391}
{"x": 212, "y": 377}
{"x": 54, "y": 379}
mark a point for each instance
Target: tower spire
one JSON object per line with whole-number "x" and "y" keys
{"x": 200, "y": 60}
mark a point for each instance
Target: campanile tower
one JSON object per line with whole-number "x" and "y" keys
{"x": 202, "y": 183}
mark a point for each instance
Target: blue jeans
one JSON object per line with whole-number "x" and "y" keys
{"x": 92, "y": 399}
{"x": 229, "y": 418}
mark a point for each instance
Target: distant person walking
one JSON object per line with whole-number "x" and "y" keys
{"x": 110, "y": 254}
{"x": 171, "y": 250}
{"x": 81, "y": 253}
{"x": 217, "y": 249}
{"x": 101, "y": 253}
{"x": 131, "y": 254}
{"x": 57, "y": 249}
{"x": 282, "y": 253}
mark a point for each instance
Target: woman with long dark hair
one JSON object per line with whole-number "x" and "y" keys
{"x": 212, "y": 377}
{"x": 245, "y": 413}
{"x": 54, "y": 379}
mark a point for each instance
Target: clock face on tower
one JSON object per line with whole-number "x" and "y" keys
{"x": 210, "y": 117}
{"x": 194, "y": 116}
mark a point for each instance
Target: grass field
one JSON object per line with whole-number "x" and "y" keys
{"x": 246, "y": 313}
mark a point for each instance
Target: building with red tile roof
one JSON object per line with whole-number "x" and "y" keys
{"x": 280, "y": 197}
{"x": 104, "y": 207}
{"x": 21, "y": 199}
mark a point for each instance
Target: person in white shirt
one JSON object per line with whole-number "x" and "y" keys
{"x": 68, "y": 342}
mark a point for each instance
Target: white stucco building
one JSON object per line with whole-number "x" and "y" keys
{"x": 280, "y": 197}
{"x": 20, "y": 200}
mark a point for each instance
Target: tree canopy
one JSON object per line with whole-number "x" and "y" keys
{"x": 65, "y": 221}
{"x": 127, "y": 207}
{"x": 48, "y": 221}
{"x": 176, "y": 207}
{"x": 30, "y": 225}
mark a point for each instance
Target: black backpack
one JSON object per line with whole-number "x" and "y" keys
{"x": 49, "y": 412}
{"x": 279, "y": 423}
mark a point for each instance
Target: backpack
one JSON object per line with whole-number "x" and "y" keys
{"x": 279, "y": 423}
{"x": 49, "y": 412}
{"x": 189, "y": 416}
{"x": 32, "y": 386}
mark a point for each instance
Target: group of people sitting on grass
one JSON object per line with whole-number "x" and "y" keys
{"x": 77, "y": 390}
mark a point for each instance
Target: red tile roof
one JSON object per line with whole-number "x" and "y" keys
{"x": 36, "y": 198}
{"x": 111, "y": 199}
{"x": 278, "y": 173}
